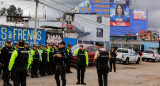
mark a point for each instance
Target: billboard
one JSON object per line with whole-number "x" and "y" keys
{"x": 140, "y": 14}
{"x": 101, "y": 7}
{"x": 149, "y": 35}
{"x": 119, "y": 13}
{"x": 54, "y": 38}
{"x": 16, "y": 34}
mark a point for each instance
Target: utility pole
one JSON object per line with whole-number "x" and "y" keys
{"x": 135, "y": 4}
{"x": 35, "y": 28}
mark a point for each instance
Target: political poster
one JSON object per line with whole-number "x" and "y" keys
{"x": 119, "y": 13}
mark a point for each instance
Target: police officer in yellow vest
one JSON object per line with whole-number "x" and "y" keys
{"x": 35, "y": 56}
{"x": 21, "y": 60}
{"x": 82, "y": 62}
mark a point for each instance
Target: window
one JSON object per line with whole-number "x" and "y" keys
{"x": 94, "y": 49}
{"x": 89, "y": 49}
{"x": 99, "y": 32}
{"x": 99, "y": 19}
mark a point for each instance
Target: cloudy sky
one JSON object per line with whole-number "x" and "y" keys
{"x": 29, "y": 8}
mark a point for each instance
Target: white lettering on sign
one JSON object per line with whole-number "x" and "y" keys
{"x": 19, "y": 34}
{"x": 4, "y": 35}
{"x": 24, "y": 34}
{"x": 39, "y": 35}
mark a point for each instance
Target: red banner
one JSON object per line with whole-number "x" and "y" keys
{"x": 119, "y": 23}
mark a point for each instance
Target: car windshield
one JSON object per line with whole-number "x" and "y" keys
{"x": 148, "y": 51}
{"x": 122, "y": 51}
{"x": 76, "y": 47}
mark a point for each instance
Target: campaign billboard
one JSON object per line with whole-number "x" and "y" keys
{"x": 54, "y": 38}
{"x": 119, "y": 13}
{"x": 140, "y": 14}
{"x": 101, "y": 7}
{"x": 16, "y": 34}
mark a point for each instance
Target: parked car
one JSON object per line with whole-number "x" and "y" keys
{"x": 127, "y": 55}
{"x": 91, "y": 49}
{"x": 151, "y": 54}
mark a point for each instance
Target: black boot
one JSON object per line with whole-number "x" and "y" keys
{"x": 78, "y": 82}
{"x": 5, "y": 82}
{"x": 83, "y": 83}
{"x": 8, "y": 83}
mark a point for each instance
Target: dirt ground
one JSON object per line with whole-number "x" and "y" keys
{"x": 143, "y": 74}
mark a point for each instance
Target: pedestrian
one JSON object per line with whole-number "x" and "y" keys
{"x": 61, "y": 57}
{"x": 21, "y": 60}
{"x": 101, "y": 60}
{"x": 35, "y": 56}
{"x": 113, "y": 59}
{"x": 6, "y": 55}
{"x": 69, "y": 59}
{"x": 45, "y": 60}
{"x": 82, "y": 62}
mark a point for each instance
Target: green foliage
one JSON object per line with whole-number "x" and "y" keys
{"x": 11, "y": 11}
{"x": 3, "y": 11}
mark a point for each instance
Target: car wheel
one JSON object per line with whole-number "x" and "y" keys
{"x": 127, "y": 61}
{"x": 155, "y": 60}
{"x": 138, "y": 60}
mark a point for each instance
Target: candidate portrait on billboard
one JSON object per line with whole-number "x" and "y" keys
{"x": 119, "y": 14}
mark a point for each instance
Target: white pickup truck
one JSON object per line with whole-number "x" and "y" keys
{"x": 127, "y": 55}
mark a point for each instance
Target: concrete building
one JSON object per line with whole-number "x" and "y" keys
{"x": 16, "y": 21}
{"x": 92, "y": 30}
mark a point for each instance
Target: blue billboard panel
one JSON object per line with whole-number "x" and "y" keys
{"x": 16, "y": 34}
{"x": 135, "y": 26}
{"x": 101, "y": 7}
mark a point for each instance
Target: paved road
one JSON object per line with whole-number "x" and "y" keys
{"x": 143, "y": 74}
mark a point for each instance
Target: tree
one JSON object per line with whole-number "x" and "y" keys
{"x": 19, "y": 12}
{"x": 11, "y": 11}
{"x": 3, "y": 11}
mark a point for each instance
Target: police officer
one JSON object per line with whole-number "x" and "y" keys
{"x": 45, "y": 60}
{"x": 21, "y": 60}
{"x": 113, "y": 59}
{"x": 0, "y": 63}
{"x": 6, "y": 55}
{"x": 101, "y": 59}
{"x": 82, "y": 62}
{"x": 61, "y": 57}
{"x": 50, "y": 63}
{"x": 16, "y": 45}
{"x": 27, "y": 46}
{"x": 69, "y": 59}
{"x": 35, "y": 56}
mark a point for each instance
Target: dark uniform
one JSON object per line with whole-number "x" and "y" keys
{"x": 45, "y": 60}
{"x": 61, "y": 65}
{"x": 69, "y": 60}
{"x": 6, "y": 55}
{"x": 50, "y": 65}
{"x": 35, "y": 62}
{"x": 113, "y": 61}
{"x": 82, "y": 61}
{"x": 102, "y": 67}
{"x": 21, "y": 61}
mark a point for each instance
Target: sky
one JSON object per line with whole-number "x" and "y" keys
{"x": 29, "y": 9}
